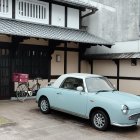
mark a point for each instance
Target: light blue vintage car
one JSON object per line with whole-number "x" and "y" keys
{"x": 92, "y": 97}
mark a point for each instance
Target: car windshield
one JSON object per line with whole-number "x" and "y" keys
{"x": 98, "y": 84}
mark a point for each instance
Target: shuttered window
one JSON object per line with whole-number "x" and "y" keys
{"x": 34, "y": 11}
{"x": 6, "y": 8}
{"x": 32, "y": 60}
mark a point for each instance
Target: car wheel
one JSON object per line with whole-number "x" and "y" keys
{"x": 44, "y": 105}
{"x": 100, "y": 120}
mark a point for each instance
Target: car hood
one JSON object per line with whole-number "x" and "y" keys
{"x": 132, "y": 101}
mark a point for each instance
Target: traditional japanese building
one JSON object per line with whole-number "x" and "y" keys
{"x": 44, "y": 38}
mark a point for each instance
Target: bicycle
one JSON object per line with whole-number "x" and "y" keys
{"x": 23, "y": 89}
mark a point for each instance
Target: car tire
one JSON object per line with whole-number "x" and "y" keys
{"x": 44, "y": 105}
{"x": 100, "y": 120}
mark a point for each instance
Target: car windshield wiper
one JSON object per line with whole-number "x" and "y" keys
{"x": 102, "y": 91}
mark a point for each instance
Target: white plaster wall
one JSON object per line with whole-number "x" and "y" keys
{"x": 85, "y": 67}
{"x": 58, "y": 15}
{"x": 72, "y": 62}
{"x": 73, "y": 18}
{"x": 57, "y": 68}
{"x": 131, "y": 86}
{"x": 127, "y": 70}
{"x": 104, "y": 67}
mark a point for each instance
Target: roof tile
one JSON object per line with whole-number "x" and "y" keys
{"x": 19, "y": 28}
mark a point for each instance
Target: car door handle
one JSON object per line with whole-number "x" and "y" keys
{"x": 59, "y": 93}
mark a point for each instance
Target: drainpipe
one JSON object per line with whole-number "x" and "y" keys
{"x": 90, "y": 13}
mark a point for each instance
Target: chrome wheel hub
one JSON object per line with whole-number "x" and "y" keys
{"x": 99, "y": 120}
{"x": 44, "y": 105}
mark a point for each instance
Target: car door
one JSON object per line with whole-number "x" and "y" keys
{"x": 69, "y": 99}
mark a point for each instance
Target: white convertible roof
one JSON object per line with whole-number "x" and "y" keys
{"x": 80, "y": 75}
{"x": 58, "y": 82}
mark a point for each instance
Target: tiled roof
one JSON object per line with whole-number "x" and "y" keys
{"x": 18, "y": 28}
{"x": 113, "y": 56}
{"x": 89, "y": 4}
{"x": 78, "y": 3}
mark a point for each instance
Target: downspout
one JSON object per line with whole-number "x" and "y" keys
{"x": 93, "y": 11}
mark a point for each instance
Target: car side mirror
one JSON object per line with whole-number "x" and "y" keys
{"x": 80, "y": 88}
{"x": 50, "y": 83}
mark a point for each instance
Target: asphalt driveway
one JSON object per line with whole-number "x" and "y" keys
{"x": 24, "y": 121}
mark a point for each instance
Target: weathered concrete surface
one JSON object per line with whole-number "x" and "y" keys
{"x": 122, "y": 25}
{"x": 5, "y": 122}
{"x": 31, "y": 124}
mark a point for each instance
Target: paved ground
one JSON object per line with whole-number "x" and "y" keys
{"x": 30, "y": 124}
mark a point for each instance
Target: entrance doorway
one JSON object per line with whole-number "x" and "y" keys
{"x": 5, "y": 75}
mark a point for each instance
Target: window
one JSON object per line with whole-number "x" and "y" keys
{"x": 4, "y": 52}
{"x": 6, "y": 8}
{"x": 34, "y": 11}
{"x": 133, "y": 62}
{"x": 72, "y": 83}
{"x": 32, "y": 60}
{"x": 95, "y": 84}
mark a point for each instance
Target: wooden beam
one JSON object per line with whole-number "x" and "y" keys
{"x": 65, "y": 58}
{"x": 117, "y": 62}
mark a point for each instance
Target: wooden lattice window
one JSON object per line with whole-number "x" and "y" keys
{"x": 6, "y": 8}
{"x": 32, "y": 10}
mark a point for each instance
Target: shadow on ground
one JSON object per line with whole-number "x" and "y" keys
{"x": 84, "y": 123}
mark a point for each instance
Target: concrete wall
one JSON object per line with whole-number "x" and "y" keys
{"x": 119, "y": 47}
{"x": 122, "y": 25}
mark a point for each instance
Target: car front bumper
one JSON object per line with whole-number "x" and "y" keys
{"x": 131, "y": 120}
{"x": 124, "y": 125}
{"x": 134, "y": 116}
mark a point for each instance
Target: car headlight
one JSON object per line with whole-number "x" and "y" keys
{"x": 124, "y": 109}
